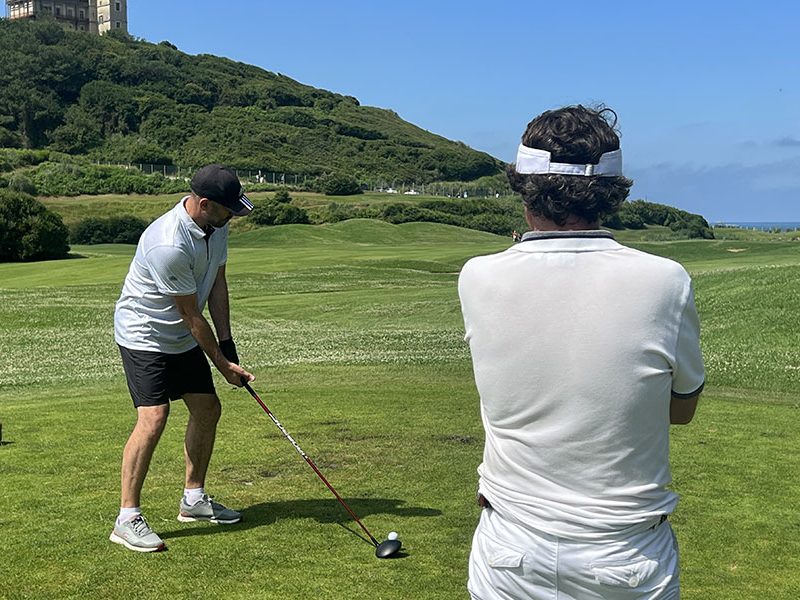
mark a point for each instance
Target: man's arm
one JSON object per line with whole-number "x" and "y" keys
{"x": 201, "y": 331}
{"x": 219, "y": 306}
{"x": 688, "y": 374}
{"x": 682, "y": 407}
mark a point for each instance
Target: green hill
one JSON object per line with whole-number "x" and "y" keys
{"x": 124, "y": 100}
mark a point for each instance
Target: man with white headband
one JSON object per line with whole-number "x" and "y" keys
{"x": 584, "y": 352}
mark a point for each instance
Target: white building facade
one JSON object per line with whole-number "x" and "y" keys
{"x": 94, "y": 16}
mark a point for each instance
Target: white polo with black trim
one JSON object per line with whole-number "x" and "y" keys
{"x": 577, "y": 345}
{"x": 175, "y": 257}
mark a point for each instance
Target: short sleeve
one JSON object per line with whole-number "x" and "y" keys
{"x": 224, "y": 258}
{"x": 688, "y": 375}
{"x": 171, "y": 271}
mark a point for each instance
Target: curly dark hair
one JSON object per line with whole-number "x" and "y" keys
{"x": 576, "y": 135}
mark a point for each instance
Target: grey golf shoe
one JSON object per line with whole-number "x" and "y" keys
{"x": 206, "y": 509}
{"x": 136, "y": 535}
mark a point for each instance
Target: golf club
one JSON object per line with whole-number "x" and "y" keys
{"x": 383, "y": 549}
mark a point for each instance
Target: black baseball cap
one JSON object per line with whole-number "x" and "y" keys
{"x": 221, "y": 185}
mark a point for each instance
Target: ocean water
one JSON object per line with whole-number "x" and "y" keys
{"x": 764, "y": 225}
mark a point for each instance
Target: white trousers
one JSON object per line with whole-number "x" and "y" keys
{"x": 511, "y": 562}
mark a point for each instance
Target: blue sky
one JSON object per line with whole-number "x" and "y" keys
{"x": 708, "y": 94}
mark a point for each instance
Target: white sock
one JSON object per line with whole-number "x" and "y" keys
{"x": 193, "y": 495}
{"x": 126, "y": 514}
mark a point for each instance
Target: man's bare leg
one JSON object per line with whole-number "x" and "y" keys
{"x": 204, "y": 414}
{"x": 201, "y": 431}
{"x": 139, "y": 451}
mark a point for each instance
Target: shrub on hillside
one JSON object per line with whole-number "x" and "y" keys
{"x": 494, "y": 216}
{"x": 10, "y": 139}
{"x": 335, "y": 212}
{"x": 484, "y": 215}
{"x": 72, "y": 179}
{"x": 624, "y": 219}
{"x": 409, "y": 213}
{"x": 282, "y": 197}
{"x": 19, "y": 182}
{"x": 125, "y": 229}
{"x": 492, "y": 223}
{"x": 500, "y": 216}
{"x": 122, "y": 149}
{"x": 639, "y": 213}
{"x": 338, "y": 185}
{"x": 30, "y": 230}
{"x": 22, "y": 158}
{"x": 273, "y": 213}
{"x": 693, "y": 227}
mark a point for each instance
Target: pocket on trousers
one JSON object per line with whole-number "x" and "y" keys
{"x": 501, "y": 556}
{"x": 625, "y": 574}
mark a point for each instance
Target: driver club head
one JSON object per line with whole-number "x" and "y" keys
{"x": 387, "y": 548}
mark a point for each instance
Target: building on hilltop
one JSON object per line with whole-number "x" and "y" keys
{"x": 111, "y": 14}
{"x": 94, "y": 16}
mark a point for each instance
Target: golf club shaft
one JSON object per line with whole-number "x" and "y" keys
{"x": 306, "y": 458}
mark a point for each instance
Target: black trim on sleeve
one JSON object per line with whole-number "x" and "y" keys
{"x": 690, "y": 394}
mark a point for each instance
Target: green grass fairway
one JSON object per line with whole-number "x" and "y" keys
{"x": 355, "y": 334}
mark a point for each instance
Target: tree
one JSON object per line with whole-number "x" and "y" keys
{"x": 124, "y": 229}
{"x": 282, "y": 197}
{"x": 111, "y": 105}
{"x": 34, "y": 112}
{"x": 339, "y": 185}
{"x": 46, "y": 239}
{"x": 30, "y": 230}
{"x": 80, "y": 132}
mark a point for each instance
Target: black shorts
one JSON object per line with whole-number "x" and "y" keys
{"x": 155, "y": 378}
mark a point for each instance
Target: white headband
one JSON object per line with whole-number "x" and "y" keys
{"x": 537, "y": 162}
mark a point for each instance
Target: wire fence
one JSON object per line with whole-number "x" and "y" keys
{"x": 305, "y": 181}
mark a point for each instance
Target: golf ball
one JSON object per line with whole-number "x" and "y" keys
{"x": 392, "y": 535}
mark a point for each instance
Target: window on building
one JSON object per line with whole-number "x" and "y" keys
{"x": 118, "y": 6}
{"x": 70, "y": 12}
{"x": 47, "y": 8}
{"x": 117, "y": 24}
{"x": 58, "y": 11}
{"x": 101, "y": 19}
{"x": 81, "y": 15}
{"x": 20, "y": 9}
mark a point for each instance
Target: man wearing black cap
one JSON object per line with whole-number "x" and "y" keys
{"x": 164, "y": 339}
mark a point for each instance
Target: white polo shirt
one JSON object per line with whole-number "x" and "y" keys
{"x": 577, "y": 344}
{"x": 174, "y": 257}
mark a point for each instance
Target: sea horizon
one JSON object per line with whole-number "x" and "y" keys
{"x": 760, "y": 225}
